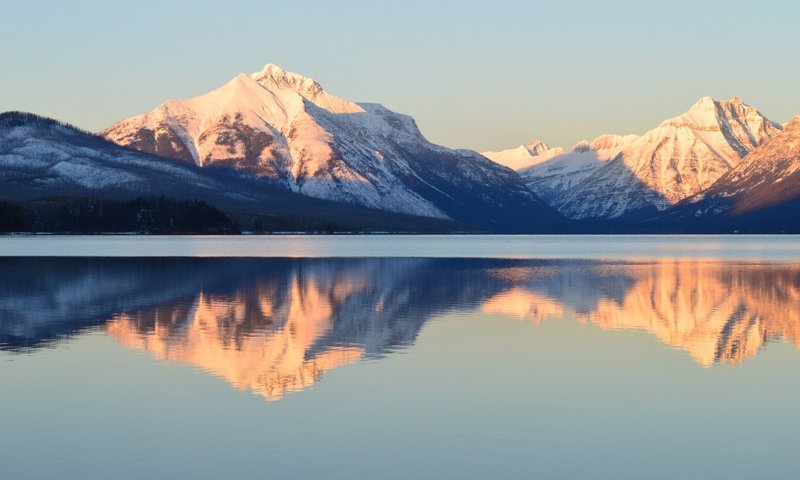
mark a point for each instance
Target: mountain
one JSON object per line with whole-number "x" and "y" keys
{"x": 284, "y": 127}
{"x": 557, "y": 172}
{"x": 41, "y": 158}
{"x": 761, "y": 193}
{"x": 681, "y": 157}
{"x": 621, "y": 176}
{"x": 524, "y": 156}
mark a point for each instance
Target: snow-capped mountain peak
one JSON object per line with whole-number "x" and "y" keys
{"x": 283, "y": 82}
{"x": 536, "y": 147}
{"x": 524, "y": 156}
{"x": 275, "y": 76}
{"x": 283, "y": 126}
{"x": 554, "y": 177}
{"x": 681, "y": 157}
{"x": 708, "y": 114}
{"x": 611, "y": 143}
{"x": 764, "y": 186}
{"x": 614, "y": 175}
{"x": 704, "y": 104}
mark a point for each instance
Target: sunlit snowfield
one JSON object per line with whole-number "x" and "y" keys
{"x": 562, "y": 357}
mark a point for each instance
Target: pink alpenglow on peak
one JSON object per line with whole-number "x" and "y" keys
{"x": 614, "y": 175}
{"x": 284, "y": 127}
{"x": 274, "y": 75}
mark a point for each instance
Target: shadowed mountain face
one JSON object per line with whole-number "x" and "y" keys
{"x": 273, "y": 326}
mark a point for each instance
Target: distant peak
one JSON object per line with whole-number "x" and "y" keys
{"x": 274, "y": 76}
{"x": 610, "y": 141}
{"x": 272, "y": 69}
{"x": 710, "y": 114}
{"x": 536, "y": 147}
{"x": 582, "y": 146}
{"x": 705, "y": 104}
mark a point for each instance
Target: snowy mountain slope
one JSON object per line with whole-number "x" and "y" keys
{"x": 524, "y": 156}
{"x": 616, "y": 175}
{"x": 681, "y": 157}
{"x": 42, "y": 158}
{"x": 283, "y": 126}
{"x": 39, "y": 155}
{"x": 554, "y": 178}
{"x": 764, "y": 187}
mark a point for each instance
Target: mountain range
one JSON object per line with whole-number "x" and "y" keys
{"x": 617, "y": 176}
{"x": 275, "y": 145}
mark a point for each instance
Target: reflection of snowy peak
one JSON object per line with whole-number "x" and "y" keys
{"x": 285, "y": 127}
{"x": 718, "y": 312}
{"x": 614, "y": 176}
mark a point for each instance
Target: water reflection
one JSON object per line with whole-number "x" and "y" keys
{"x": 276, "y": 325}
{"x": 717, "y": 312}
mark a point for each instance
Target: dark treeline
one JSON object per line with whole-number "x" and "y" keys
{"x": 16, "y": 119}
{"x": 91, "y": 215}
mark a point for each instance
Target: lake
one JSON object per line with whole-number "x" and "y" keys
{"x": 399, "y": 357}
{"x": 735, "y": 247}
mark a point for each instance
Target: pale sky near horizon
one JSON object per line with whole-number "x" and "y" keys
{"x": 480, "y": 75}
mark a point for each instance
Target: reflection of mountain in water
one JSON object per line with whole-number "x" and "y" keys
{"x": 718, "y": 312}
{"x": 45, "y": 299}
{"x": 270, "y": 325}
{"x": 283, "y": 330}
{"x": 276, "y": 325}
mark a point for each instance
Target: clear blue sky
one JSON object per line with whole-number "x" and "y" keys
{"x": 482, "y": 75}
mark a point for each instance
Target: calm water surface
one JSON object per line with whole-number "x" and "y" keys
{"x": 735, "y": 247}
{"x": 635, "y": 366}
